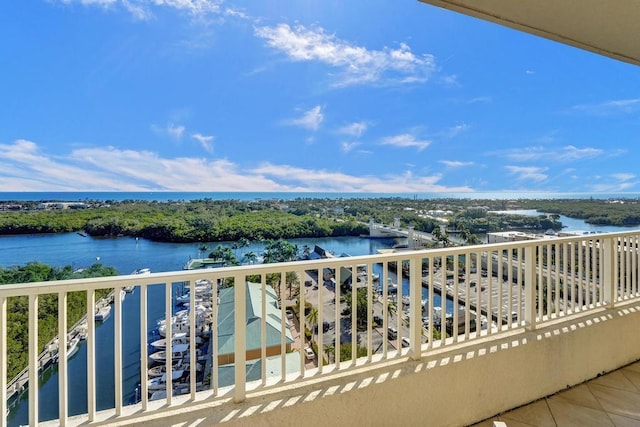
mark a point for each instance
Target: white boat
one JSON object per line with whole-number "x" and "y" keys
{"x": 72, "y": 346}
{"x": 139, "y": 271}
{"x": 160, "y": 383}
{"x": 177, "y": 352}
{"x": 103, "y": 313}
{"x": 179, "y": 338}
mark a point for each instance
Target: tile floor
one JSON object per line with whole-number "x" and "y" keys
{"x": 610, "y": 400}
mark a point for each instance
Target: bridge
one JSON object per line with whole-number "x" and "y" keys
{"x": 415, "y": 239}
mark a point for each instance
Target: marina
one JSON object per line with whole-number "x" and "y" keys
{"x": 128, "y": 254}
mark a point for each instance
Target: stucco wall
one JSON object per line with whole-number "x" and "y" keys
{"x": 455, "y": 387}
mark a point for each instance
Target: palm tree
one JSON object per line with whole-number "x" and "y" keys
{"x": 330, "y": 350}
{"x": 312, "y": 319}
{"x": 202, "y": 249}
{"x": 250, "y": 257}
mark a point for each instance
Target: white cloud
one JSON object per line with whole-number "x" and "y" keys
{"x": 175, "y": 131}
{"x": 456, "y": 130}
{"x": 554, "y": 154}
{"x": 348, "y": 146}
{"x": 323, "y": 180}
{"x": 616, "y": 182}
{"x": 456, "y": 163}
{"x": 355, "y": 129}
{"x": 171, "y": 130}
{"x": 23, "y": 167}
{"x": 357, "y": 64}
{"x": 528, "y": 173}
{"x": 206, "y": 141}
{"x": 143, "y": 9}
{"x": 405, "y": 140}
{"x": 606, "y": 108}
{"x": 311, "y": 119}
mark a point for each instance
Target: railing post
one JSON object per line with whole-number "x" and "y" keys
{"x": 530, "y": 288}
{"x": 33, "y": 359}
{"x": 91, "y": 354}
{"x": 415, "y": 313}
{"x": 3, "y": 360}
{"x": 609, "y": 272}
{"x": 240, "y": 340}
{"x": 63, "y": 388}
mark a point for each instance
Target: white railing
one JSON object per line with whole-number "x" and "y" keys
{"x": 490, "y": 289}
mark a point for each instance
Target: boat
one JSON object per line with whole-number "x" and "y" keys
{"x": 72, "y": 346}
{"x": 160, "y": 383}
{"x": 142, "y": 271}
{"x": 103, "y": 313}
{"x": 179, "y": 338}
{"x": 177, "y": 352}
{"x": 138, "y": 272}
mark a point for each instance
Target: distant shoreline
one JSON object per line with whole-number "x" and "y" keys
{"x": 163, "y": 196}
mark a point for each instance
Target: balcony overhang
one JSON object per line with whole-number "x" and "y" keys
{"x": 606, "y": 28}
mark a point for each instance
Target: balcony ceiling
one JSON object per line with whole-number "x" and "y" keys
{"x": 609, "y": 28}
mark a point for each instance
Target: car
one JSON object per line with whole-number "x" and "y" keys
{"x": 406, "y": 342}
{"x": 392, "y": 333}
{"x": 309, "y": 354}
{"x": 290, "y": 314}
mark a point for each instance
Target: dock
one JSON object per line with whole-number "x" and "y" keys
{"x": 49, "y": 356}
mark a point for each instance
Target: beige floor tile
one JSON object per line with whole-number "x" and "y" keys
{"x": 567, "y": 414}
{"x": 617, "y": 401}
{"x": 534, "y": 414}
{"x": 620, "y": 421}
{"x": 634, "y": 366}
{"x": 633, "y": 376}
{"x": 485, "y": 423}
{"x": 615, "y": 379}
{"x": 578, "y": 395}
{"x": 513, "y": 423}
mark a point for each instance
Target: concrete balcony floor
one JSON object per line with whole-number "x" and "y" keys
{"x": 609, "y": 400}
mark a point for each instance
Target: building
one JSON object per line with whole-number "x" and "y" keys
{"x": 254, "y": 316}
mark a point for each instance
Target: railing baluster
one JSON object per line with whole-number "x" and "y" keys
{"x": 214, "y": 338}
{"x": 415, "y": 320}
{"x": 354, "y": 314}
{"x": 530, "y": 287}
{"x": 144, "y": 356}
{"x": 3, "y": 361}
{"x": 168, "y": 338}
{"x": 263, "y": 328}
{"x": 193, "y": 361}
{"x": 91, "y": 354}
{"x": 369, "y": 279}
{"x": 609, "y": 273}
{"x": 320, "y": 294}
{"x": 283, "y": 332}
{"x": 117, "y": 336}
{"x": 240, "y": 339}
{"x": 33, "y": 359}
{"x": 338, "y": 316}
{"x": 63, "y": 389}
{"x": 303, "y": 323}
{"x": 385, "y": 310}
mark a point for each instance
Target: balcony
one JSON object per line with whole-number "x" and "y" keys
{"x": 291, "y": 342}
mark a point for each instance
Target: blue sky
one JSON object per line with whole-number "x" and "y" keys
{"x": 383, "y": 96}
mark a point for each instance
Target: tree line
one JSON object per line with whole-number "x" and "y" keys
{"x": 18, "y": 308}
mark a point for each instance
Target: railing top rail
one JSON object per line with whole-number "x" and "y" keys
{"x": 11, "y": 290}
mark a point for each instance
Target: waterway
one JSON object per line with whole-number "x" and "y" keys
{"x": 127, "y": 254}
